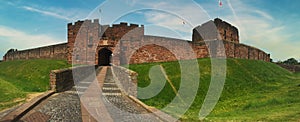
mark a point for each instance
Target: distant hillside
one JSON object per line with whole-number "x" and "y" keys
{"x": 254, "y": 90}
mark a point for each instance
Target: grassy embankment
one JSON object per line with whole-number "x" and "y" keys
{"x": 20, "y": 78}
{"x": 254, "y": 90}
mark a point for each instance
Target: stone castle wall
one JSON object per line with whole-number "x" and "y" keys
{"x": 129, "y": 45}
{"x": 86, "y": 38}
{"x": 292, "y": 68}
{"x": 162, "y": 49}
{"x": 58, "y": 51}
{"x": 225, "y": 31}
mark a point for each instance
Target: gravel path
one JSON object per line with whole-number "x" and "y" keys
{"x": 62, "y": 107}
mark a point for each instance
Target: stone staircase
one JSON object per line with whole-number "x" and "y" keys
{"x": 83, "y": 85}
{"x": 112, "y": 105}
{"x": 110, "y": 87}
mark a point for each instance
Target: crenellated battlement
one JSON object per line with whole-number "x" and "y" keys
{"x": 113, "y": 32}
{"x": 125, "y": 24}
{"x": 80, "y": 22}
{"x": 96, "y": 21}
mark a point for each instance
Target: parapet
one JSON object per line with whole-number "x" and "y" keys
{"x": 125, "y": 24}
{"x": 87, "y": 21}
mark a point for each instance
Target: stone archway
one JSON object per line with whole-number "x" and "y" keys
{"x": 104, "y": 57}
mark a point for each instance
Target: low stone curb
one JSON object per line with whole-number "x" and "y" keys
{"x": 26, "y": 107}
{"x": 163, "y": 116}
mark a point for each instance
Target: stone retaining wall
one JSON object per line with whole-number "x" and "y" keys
{"x": 292, "y": 68}
{"x": 63, "y": 79}
{"x": 126, "y": 79}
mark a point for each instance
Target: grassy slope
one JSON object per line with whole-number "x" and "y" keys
{"x": 18, "y": 78}
{"x": 9, "y": 94}
{"x": 254, "y": 90}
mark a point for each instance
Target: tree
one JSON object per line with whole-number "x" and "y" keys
{"x": 291, "y": 61}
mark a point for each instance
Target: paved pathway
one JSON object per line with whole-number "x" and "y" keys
{"x": 100, "y": 99}
{"x": 7, "y": 111}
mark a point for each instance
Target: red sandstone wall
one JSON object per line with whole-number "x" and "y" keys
{"x": 130, "y": 46}
{"x": 86, "y": 38}
{"x": 58, "y": 51}
{"x": 64, "y": 79}
{"x": 147, "y": 50}
{"x": 224, "y": 30}
{"x": 227, "y": 31}
{"x": 82, "y": 41}
{"x": 152, "y": 49}
{"x": 117, "y": 31}
{"x": 151, "y": 53}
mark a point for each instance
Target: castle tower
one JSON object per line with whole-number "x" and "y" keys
{"x": 90, "y": 36}
{"x": 225, "y": 31}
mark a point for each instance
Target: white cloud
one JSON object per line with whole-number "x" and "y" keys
{"x": 168, "y": 20}
{"x": 264, "y": 15}
{"x": 256, "y": 27}
{"x": 260, "y": 29}
{"x": 179, "y": 16}
{"x": 10, "y": 3}
{"x": 12, "y": 38}
{"x": 47, "y": 13}
{"x": 69, "y": 15}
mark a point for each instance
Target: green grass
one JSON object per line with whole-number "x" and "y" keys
{"x": 254, "y": 90}
{"x": 18, "y": 78}
{"x": 9, "y": 94}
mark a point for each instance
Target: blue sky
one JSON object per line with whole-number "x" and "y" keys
{"x": 271, "y": 25}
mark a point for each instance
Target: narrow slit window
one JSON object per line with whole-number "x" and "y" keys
{"x": 90, "y": 42}
{"x": 225, "y": 34}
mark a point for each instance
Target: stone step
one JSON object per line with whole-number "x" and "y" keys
{"x": 111, "y": 94}
{"x": 71, "y": 92}
{"x": 79, "y": 93}
{"x": 111, "y": 91}
{"x": 81, "y": 87}
{"x": 110, "y": 88}
{"x": 84, "y": 82}
{"x": 109, "y": 80}
{"x": 110, "y": 85}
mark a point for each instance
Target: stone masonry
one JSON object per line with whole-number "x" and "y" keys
{"x": 92, "y": 43}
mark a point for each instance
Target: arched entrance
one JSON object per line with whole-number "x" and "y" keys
{"x": 104, "y": 57}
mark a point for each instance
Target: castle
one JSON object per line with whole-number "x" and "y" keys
{"x": 92, "y": 43}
